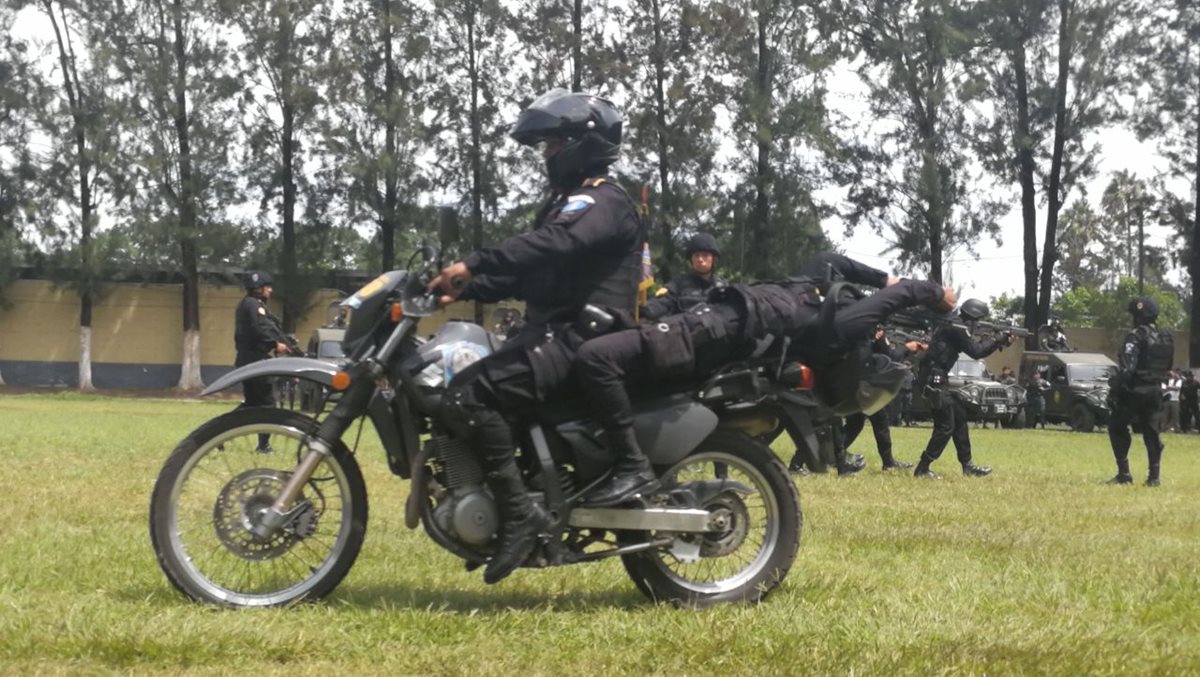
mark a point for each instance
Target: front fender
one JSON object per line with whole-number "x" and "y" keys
{"x": 292, "y": 367}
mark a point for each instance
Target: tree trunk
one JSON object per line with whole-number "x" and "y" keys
{"x": 577, "y": 47}
{"x": 760, "y": 215}
{"x": 1023, "y": 143}
{"x": 1194, "y": 258}
{"x": 189, "y": 377}
{"x": 70, "y": 76}
{"x": 291, "y": 296}
{"x": 666, "y": 211}
{"x": 1053, "y": 202}
{"x": 387, "y": 221}
{"x": 476, "y": 160}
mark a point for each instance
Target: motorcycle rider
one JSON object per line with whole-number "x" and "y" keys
{"x": 725, "y": 328}
{"x": 584, "y": 249}
{"x": 880, "y": 424}
{"x": 949, "y": 414}
{"x": 256, "y": 334}
{"x": 1135, "y": 391}
{"x": 687, "y": 290}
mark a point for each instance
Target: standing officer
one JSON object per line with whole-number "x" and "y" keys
{"x": 584, "y": 250}
{"x": 685, "y": 291}
{"x": 1135, "y": 393}
{"x": 256, "y": 333}
{"x": 1189, "y": 401}
{"x": 1035, "y": 400}
{"x": 879, "y": 420}
{"x": 949, "y": 414}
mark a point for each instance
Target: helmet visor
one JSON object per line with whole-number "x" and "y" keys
{"x": 555, "y": 112}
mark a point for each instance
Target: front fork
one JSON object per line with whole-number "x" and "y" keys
{"x": 353, "y": 404}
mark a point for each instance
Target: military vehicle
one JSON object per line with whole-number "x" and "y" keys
{"x": 1078, "y": 393}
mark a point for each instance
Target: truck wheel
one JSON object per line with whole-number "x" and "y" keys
{"x": 1082, "y": 419}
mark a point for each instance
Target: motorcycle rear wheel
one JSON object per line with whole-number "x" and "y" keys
{"x": 216, "y": 484}
{"x": 749, "y": 559}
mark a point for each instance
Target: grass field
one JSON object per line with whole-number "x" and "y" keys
{"x": 1037, "y": 569}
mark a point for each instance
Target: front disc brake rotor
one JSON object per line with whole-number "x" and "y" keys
{"x": 240, "y": 506}
{"x": 730, "y": 515}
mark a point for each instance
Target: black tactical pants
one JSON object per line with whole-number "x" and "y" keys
{"x": 1189, "y": 415}
{"x": 949, "y": 422}
{"x": 879, "y": 425}
{"x": 508, "y": 384}
{"x": 1141, "y": 410}
{"x": 256, "y": 392}
{"x": 1035, "y": 412}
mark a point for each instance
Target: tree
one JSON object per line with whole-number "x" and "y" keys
{"x": 22, "y": 92}
{"x": 173, "y": 53}
{"x": 472, "y": 40}
{"x": 1084, "y": 255}
{"x": 84, "y": 128}
{"x": 377, "y": 90}
{"x": 775, "y": 56}
{"x": 671, "y": 112}
{"x": 1128, "y": 202}
{"x": 1107, "y": 308}
{"x": 914, "y": 184}
{"x": 1170, "y": 113}
{"x": 283, "y": 42}
{"x": 1056, "y": 71}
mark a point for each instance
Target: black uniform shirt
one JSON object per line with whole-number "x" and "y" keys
{"x": 944, "y": 348}
{"x": 682, "y": 293}
{"x": 256, "y": 329}
{"x": 584, "y": 248}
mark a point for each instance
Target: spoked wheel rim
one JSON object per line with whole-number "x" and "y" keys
{"x": 742, "y": 548}
{"x": 219, "y": 495}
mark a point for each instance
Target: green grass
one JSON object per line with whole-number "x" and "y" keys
{"x": 1037, "y": 569}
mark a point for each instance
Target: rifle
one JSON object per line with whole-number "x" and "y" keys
{"x": 929, "y": 322}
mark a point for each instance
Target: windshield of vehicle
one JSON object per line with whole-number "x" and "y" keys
{"x": 1090, "y": 372}
{"x": 331, "y": 349}
{"x": 968, "y": 368}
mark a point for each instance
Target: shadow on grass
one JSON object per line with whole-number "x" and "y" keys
{"x": 445, "y": 599}
{"x": 490, "y": 600}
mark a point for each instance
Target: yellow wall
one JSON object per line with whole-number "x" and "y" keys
{"x": 142, "y": 323}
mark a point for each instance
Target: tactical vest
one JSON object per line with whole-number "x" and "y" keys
{"x": 938, "y": 361}
{"x": 1156, "y": 355}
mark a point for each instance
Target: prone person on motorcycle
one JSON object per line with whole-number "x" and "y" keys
{"x": 724, "y": 329}
{"x": 584, "y": 249}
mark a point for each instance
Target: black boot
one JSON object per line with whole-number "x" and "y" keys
{"x": 890, "y": 462}
{"x": 631, "y": 475}
{"x": 796, "y": 467}
{"x": 972, "y": 470}
{"x": 849, "y": 466}
{"x": 1153, "y": 480}
{"x": 522, "y": 521}
{"x": 924, "y": 471}
{"x": 1123, "y": 476}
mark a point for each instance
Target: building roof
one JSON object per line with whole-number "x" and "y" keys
{"x": 1075, "y": 358}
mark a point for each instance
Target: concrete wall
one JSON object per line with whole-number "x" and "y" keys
{"x": 137, "y": 333}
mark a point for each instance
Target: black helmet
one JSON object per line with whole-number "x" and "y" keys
{"x": 256, "y": 280}
{"x": 702, "y": 242}
{"x": 1143, "y": 309}
{"x": 973, "y": 310}
{"x": 590, "y": 128}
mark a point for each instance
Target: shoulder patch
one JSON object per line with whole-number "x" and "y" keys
{"x": 577, "y": 203}
{"x": 262, "y": 310}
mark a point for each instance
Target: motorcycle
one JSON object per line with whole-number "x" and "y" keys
{"x": 234, "y": 526}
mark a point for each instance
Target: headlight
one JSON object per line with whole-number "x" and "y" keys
{"x": 971, "y": 391}
{"x": 1098, "y": 397}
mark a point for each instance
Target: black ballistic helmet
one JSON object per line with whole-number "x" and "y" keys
{"x": 256, "y": 280}
{"x": 1143, "y": 309}
{"x": 973, "y": 310}
{"x": 702, "y": 242}
{"x": 589, "y": 126}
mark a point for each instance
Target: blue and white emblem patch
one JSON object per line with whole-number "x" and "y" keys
{"x": 577, "y": 203}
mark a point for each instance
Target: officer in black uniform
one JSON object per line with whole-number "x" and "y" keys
{"x": 726, "y": 328}
{"x": 1035, "y": 400}
{"x": 584, "y": 250}
{"x": 1135, "y": 391}
{"x": 949, "y": 414}
{"x": 880, "y": 424}
{"x": 687, "y": 290}
{"x": 256, "y": 334}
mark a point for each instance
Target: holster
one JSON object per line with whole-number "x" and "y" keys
{"x": 669, "y": 345}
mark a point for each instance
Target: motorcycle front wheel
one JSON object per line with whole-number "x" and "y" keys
{"x": 214, "y": 489}
{"x": 748, "y": 489}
